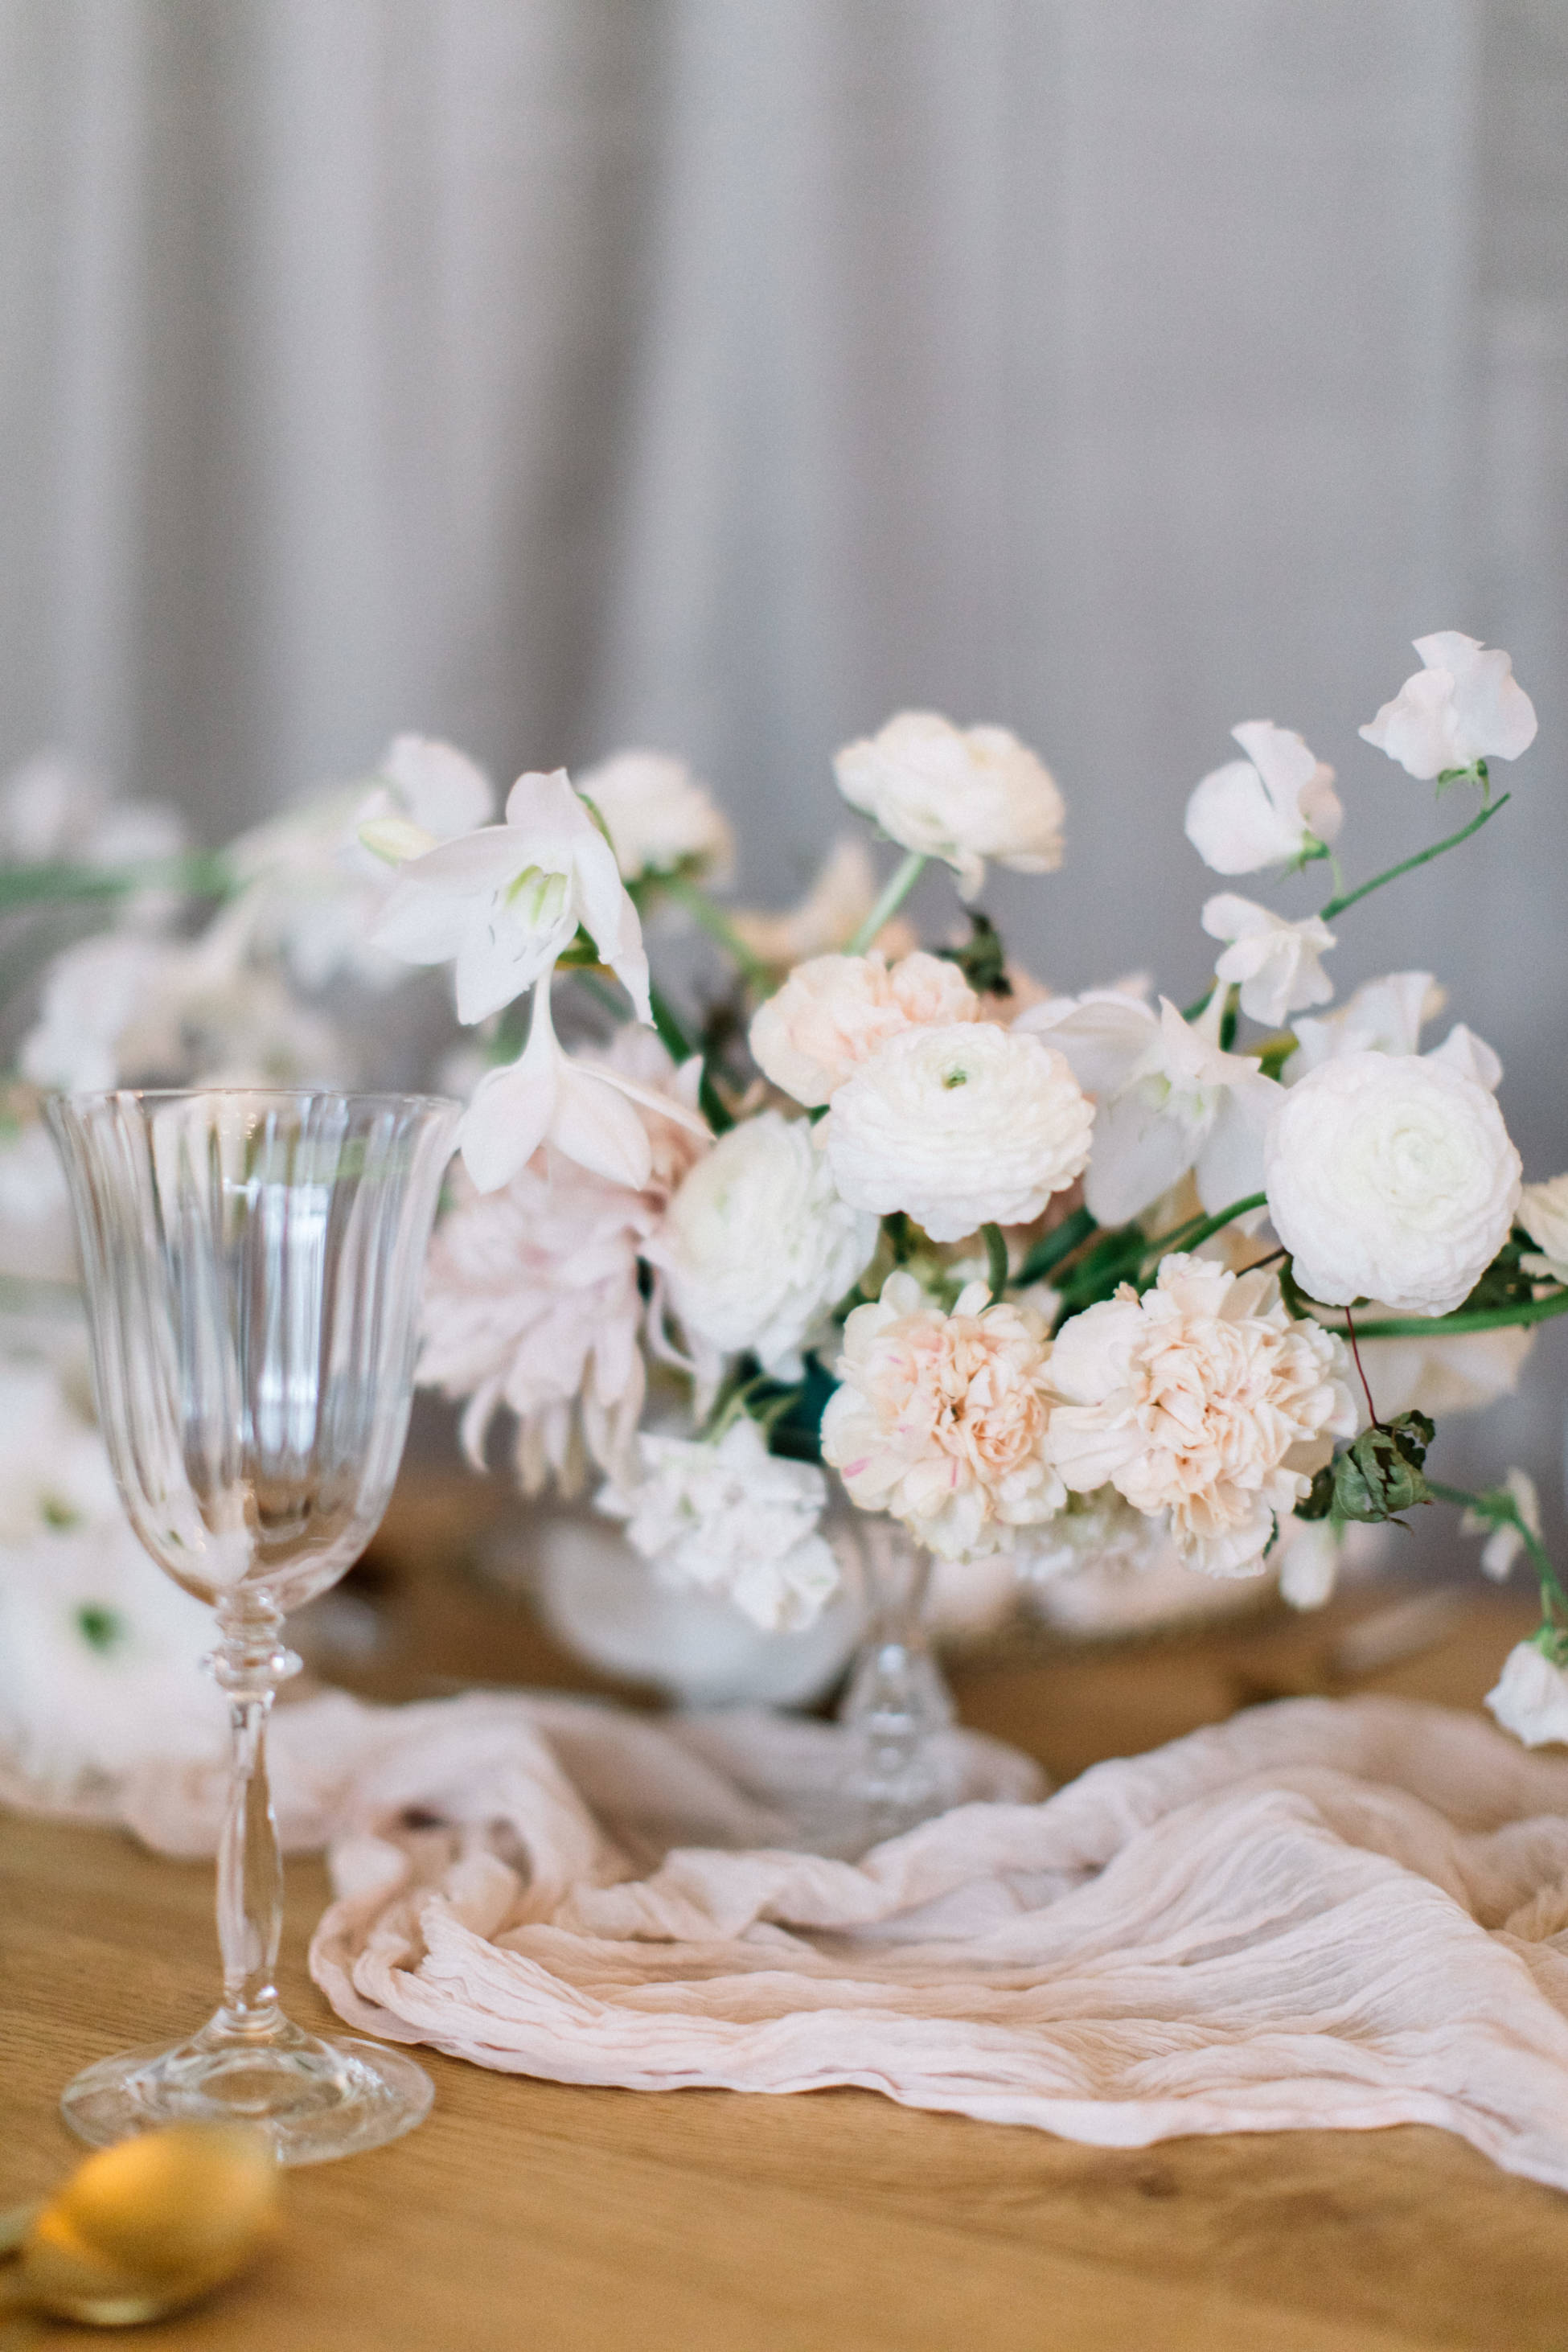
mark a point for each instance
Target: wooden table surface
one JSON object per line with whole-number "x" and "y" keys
{"x": 528, "y": 2214}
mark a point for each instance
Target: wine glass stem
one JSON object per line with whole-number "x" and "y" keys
{"x": 249, "y": 1663}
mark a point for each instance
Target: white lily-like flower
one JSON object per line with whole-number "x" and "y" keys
{"x": 1463, "y": 705}
{"x": 1169, "y": 1099}
{"x": 1503, "y": 1541}
{"x": 503, "y": 903}
{"x": 1277, "y": 804}
{"x": 1277, "y": 963}
{"x": 583, "y": 1108}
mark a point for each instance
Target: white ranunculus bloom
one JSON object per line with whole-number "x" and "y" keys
{"x": 758, "y": 1245}
{"x": 504, "y": 903}
{"x": 658, "y": 817}
{"x": 731, "y": 1518}
{"x": 1277, "y": 963}
{"x": 1463, "y": 705}
{"x": 1201, "y": 1400}
{"x": 958, "y": 1127}
{"x": 1391, "y": 1177}
{"x": 1277, "y": 804}
{"x": 1169, "y": 1099}
{"x": 959, "y": 793}
{"x": 1504, "y": 1542}
{"x": 1531, "y": 1697}
{"x": 834, "y": 1011}
{"x": 1543, "y": 1214}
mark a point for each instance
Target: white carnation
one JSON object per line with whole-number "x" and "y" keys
{"x": 959, "y": 793}
{"x": 1463, "y": 705}
{"x": 658, "y": 816}
{"x": 958, "y": 1127}
{"x": 1391, "y": 1177}
{"x": 733, "y": 1519}
{"x": 1531, "y": 1697}
{"x": 758, "y": 1245}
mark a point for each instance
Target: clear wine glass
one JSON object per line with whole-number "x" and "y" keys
{"x": 252, "y": 1263}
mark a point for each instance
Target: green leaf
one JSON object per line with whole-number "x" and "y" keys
{"x": 1379, "y": 1474}
{"x": 983, "y": 959}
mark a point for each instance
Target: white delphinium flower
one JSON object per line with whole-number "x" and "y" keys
{"x": 38, "y": 1238}
{"x": 835, "y": 1010}
{"x": 1276, "y": 962}
{"x": 943, "y": 1420}
{"x": 1543, "y": 1212}
{"x": 959, "y": 793}
{"x": 99, "y": 1659}
{"x": 1462, "y": 706}
{"x": 1391, "y": 1177}
{"x": 503, "y": 903}
{"x": 311, "y": 890}
{"x": 1531, "y": 1697}
{"x": 1276, "y": 805}
{"x": 960, "y": 1126}
{"x": 1169, "y": 1097}
{"x": 1202, "y": 1401}
{"x": 731, "y": 1518}
{"x": 838, "y": 902}
{"x": 660, "y": 820}
{"x": 1503, "y": 1541}
{"x": 758, "y": 1245}
{"x": 585, "y": 1105}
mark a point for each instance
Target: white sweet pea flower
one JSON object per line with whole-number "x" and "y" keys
{"x": 1391, "y": 1177}
{"x": 1387, "y": 1016}
{"x": 1531, "y": 1697}
{"x": 1276, "y": 805}
{"x": 959, "y": 793}
{"x": 1503, "y": 1541}
{"x": 1463, "y": 706}
{"x": 1169, "y": 1099}
{"x": 1276, "y": 962}
{"x": 503, "y": 903}
{"x": 1543, "y": 1212}
{"x": 585, "y": 1107}
{"x": 658, "y": 817}
{"x": 733, "y": 1519}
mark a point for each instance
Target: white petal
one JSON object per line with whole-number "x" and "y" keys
{"x": 1463, "y": 1051}
{"x": 594, "y": 1125}
{"x": 1234, "y": 825}
{"x": 1101, "y": 1034}
{"x": 1230, "y": 1165}
{"x": 1140, "y": 1149}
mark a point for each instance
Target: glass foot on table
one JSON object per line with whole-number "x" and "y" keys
{"x": 315, "y": 2099}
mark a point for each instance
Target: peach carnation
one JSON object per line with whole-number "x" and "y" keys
{"x": 1202, "y": 1400}
{"x": 943, "y": 1420}
{"x": 834, "y": 1011}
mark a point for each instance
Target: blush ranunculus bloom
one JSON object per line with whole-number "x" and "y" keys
{"x": 1463, "y": 705}
{"x": 1277, "y": 804}
{"x": 943, "y": 1419}
{"x": 1202, "y": 1400}
{"x": 1391, "y": 1177}
{"x": 658, "y": 817}
{"x": 1529, "y": 1698}
{"x": 1277, "y": 963}
{"x": 959, "y": 793}
{"x": 958, "y": 1127}
{"x": 834, "y": 1011}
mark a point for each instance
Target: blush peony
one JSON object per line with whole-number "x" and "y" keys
{"x": 833, "y": 1013}
{"x": 943, "y": 1420}
{"x": 1201, "y": 1400}
{"x": 958, "y": 1127}
{"x": 959, "y": 793}
{"x": 1391, "y": 1177}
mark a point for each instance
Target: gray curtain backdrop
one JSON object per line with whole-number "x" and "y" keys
{"x": 723, "y": 374}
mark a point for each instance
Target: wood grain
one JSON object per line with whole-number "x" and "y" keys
{"x": 593, "y": 2220}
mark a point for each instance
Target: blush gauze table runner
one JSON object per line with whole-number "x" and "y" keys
{"x": 1323, "y": 1913}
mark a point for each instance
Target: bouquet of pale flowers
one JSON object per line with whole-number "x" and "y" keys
{"x": 1057, "y": 1277}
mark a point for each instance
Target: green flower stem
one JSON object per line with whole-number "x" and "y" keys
{"x": 672, "y": 1036}
{"x": 995, "y": 1260}
{"x": 715, "y": 923}
{"x": 1048, "y": 1253}
{"x": 1442, "y": 1326}
{"x": 1422, "y": 857}
{"x": 1198, "y": 1229}
{"x": 897, "y": 890}
{"x": 200, "y": 873}
{"x": 1501, "y": 1510}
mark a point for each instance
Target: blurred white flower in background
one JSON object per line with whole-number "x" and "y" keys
{"x": 732, "y": 1517}
{"x": 1543, "y": 1212}
{"x": 1276, "y": 805}
{"x": 962, "y": 795}
{"x": 54, "y": 811}
{"x": 1463, "y": 705}
{"x": 38, "y": 1238}
{"x": 839, "y": 899}
{"x": 660, "y": 820}
{"x": 1504, "y": 1542}
{"x": 1277, "y": 963}
{"x": 1531, "y": 1697}
{"x": 835, "y": 1010}
{"x": 1391, "y": 1177}
{"x": 960, "y": 1126}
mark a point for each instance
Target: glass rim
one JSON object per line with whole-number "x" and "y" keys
{"x": 375, "y": 1095}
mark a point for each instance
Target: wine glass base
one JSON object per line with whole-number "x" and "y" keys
{"x": 316, "y": 2100}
